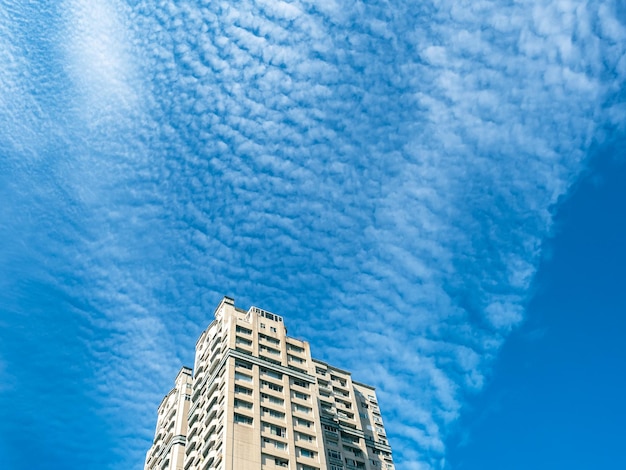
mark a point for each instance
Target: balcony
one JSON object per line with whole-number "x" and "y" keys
{"x": 194, "y": 418}
{"x": 190, "y": 460}
{"x": 342, "y": 414}
{"x": 209, "y": 446}
{"x": 192, "y": 433}
{"x": 340, "y": 393}
{"x": 212, "y": 413}
{"x": 199, "y": 377}
{"x": 190, "y": 447}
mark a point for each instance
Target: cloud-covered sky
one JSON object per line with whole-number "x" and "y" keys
{"x": 381, "y": 174}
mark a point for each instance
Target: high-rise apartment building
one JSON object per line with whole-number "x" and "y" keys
{"x": 257, "y": 400}
{"x": 168, "y": 450}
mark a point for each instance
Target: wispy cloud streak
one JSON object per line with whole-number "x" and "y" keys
{"x": 388, "y": 168}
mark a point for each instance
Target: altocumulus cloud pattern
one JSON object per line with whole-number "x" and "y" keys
{"x": 380, "y": 173}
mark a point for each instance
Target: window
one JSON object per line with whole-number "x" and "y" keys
{"x": 242, "y": 404}
{"x": 274, "y": 430}
{"x": 345, "y": 404}
{"x": 293, "y": 347}
{"x": 241, "y": 329}
{"x": 269, "y": 315}
{"x": 345, "y": 415}
{"x": 264, "y": 348}
{"x": 333, "y": 454}
{"x": 354, "y": 450}
{"x": 281, "y": 462}
{"x": 295, "y": 358}
{"x": 301, "y": 409}
{"x": 242, "y": 390}
{"x": 273, "y": 329}
{"x": 263, "y": 325}
{"x": 300, "y": 383}
{"x": 272, "y": 399}
{"x": 305, "y": 437}
{"x": 242, "y": 377}
{"x": 320, "y": 371}
{"x": 307, "y": 453}
{"x": 272, "y": 373}
{"x": 327, "y": 407}
{"x": 267, "y": 442}
{"x": 269, "y": 339}
{"x": 304, "y": 422}
{"x": 244, "y": 341}
{"x": 269, "y": 359}
{"x": 271, "y": 386}
{"x": 242, "y": 419}
{"x": 273, "y": 413}
{"x": 300, "y": 395}
{"x": 339, "y": 380}
{"x": 324, "y": 393}
{"x": 243, "y": 364}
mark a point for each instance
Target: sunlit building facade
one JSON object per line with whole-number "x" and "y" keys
{"x": 170, "y": 437}
{"x": 257, "y": 400}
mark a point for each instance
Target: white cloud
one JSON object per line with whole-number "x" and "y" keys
{"x": 98, "y": 61}
{"x": 378, "y": 174}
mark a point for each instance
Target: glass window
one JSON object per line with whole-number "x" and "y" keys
{"x": 300, "y": 383}
{"x": 242, "y": 390}
{"x": 242, "y": 377}
{"x": 241, "y": 329}
{"x": 307, "y": 453}
{"x": 242, "y": 419}
{"x": 273, "y": 413}
{"x": 272, "y": 386}
{"x": 272, "y": 373}
{"x": 242, "y": 404}
{"x": 272, "y": 399}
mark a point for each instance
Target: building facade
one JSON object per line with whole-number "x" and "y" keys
{"x": 258, "y": 400}
{"x": 170, "y": 437}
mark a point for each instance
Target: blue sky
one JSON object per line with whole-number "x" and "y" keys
{"x": 421, "y": 190}
{"x": 555, "y": 398}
